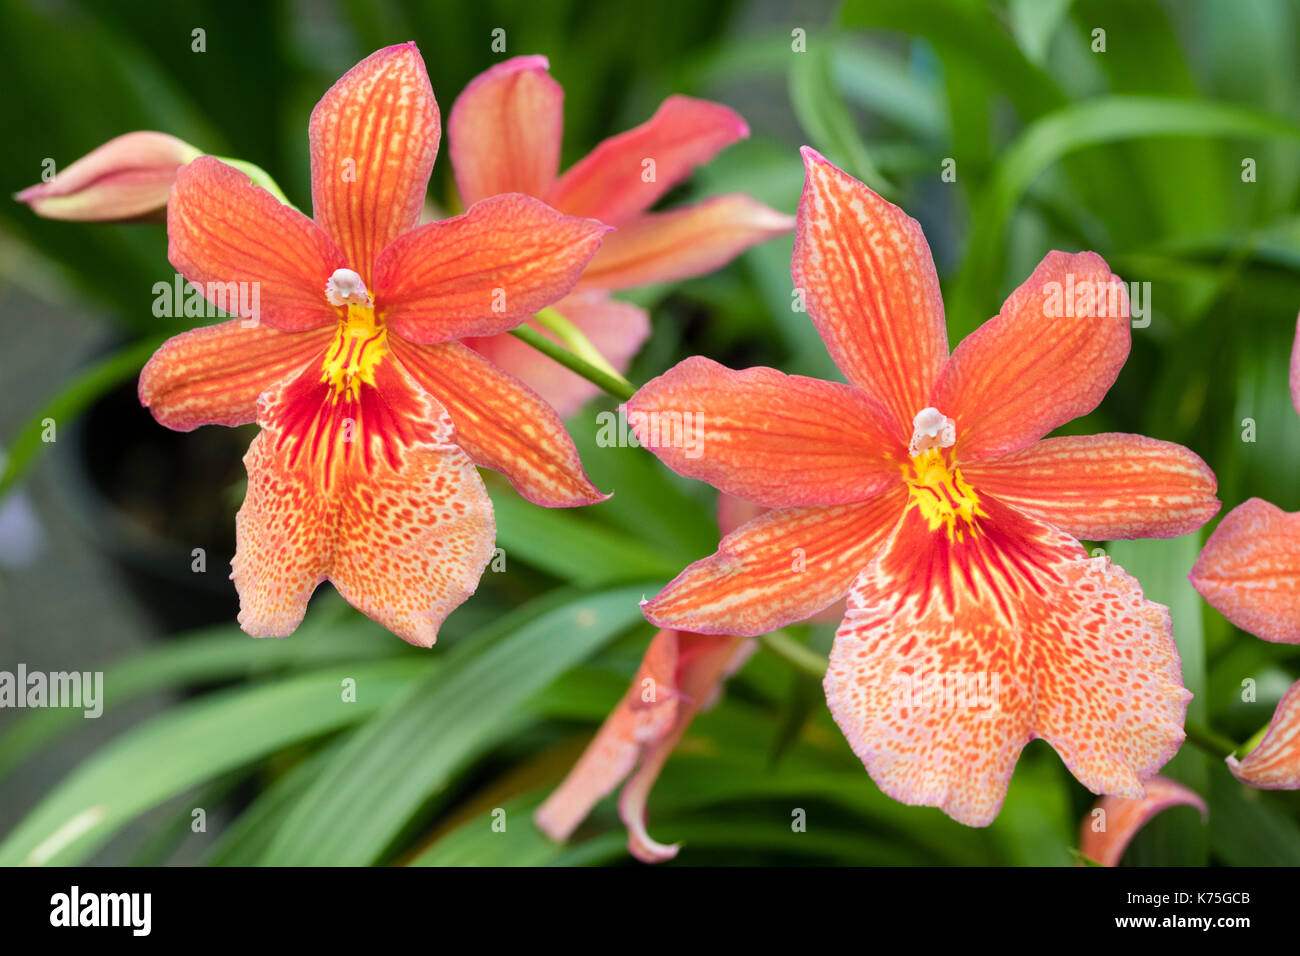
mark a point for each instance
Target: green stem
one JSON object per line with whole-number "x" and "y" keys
{"x": 1212, "y": 742}
{"x": 614, "y": 384}
{"x": 579, "y": 344}
{"x": 783, "y": 645}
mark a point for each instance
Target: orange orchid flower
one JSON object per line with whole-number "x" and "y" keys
{"x": 1249, "y": 571}
{"x": 373, "y": 415}
{"x": 505, "y": 131}
{"x": 925, "y": 491}
{"x": 1113, "y": 822}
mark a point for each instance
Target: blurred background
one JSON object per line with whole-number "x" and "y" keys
{"x": 1164, "y": 136}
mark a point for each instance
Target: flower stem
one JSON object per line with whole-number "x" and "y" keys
{"x": 806, "y": 660}
{"x": 579, "y": 344}
{"x": 610, "y": 381}
{"x": 1212, "y": 742}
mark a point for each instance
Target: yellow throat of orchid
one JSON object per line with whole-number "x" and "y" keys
{"x": 937, "y": 489}
{"x": 361, "y": 342}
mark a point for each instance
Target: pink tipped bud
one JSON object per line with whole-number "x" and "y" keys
{"x": 128, "y": 178}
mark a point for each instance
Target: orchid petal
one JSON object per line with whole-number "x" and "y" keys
{"x": 616, "y": 329}
{"x": 501, "y": 423}
{"x": 960, "y": 647}
{"x": 1107, "y": 831}
{"x": 484, "y": 272}
{"x": 213, "y": 375}
{"x": 1102, "y": 487}
{"x": 1049, "y": 356}
{"x": 504, "y": 130}
{"x": 627, "y": 173}
{"x": 370, "y": 494}
{"x": 1249, "y": 570}
{"x": 865, "y": 274}
{"x": 775, "y": 439}
{"x": 1274, "y": 763}
{"x": 222, "y": 229}
{"x": 782, "y": 567}
{"x": 374, "y": 137}
{"x": 667, "y": 246}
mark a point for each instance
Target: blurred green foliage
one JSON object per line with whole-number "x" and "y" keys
{"x": 1135, "y": 152}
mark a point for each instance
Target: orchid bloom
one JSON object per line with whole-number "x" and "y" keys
{"x": 372, "y": 413}
{"x": 505, "y": 131}
{"x": 1113, "y": 822}
{"x": 126, "y": 179}
{"x": 1250, "y": 572}
{"x": 680, "y": 675}
{"x": 926, "y": 492}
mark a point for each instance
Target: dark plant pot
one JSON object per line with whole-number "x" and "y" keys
{"x": 147, "y": 496}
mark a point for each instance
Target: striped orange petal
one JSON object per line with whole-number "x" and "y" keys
{"x": 243, "y": 247}
{"x": 1112, "y": 823}
{"x": 867, "y": 279}
{"x": 1274, "y": 763}
{"x": 966, "y": 640}
{"x": 357, "y": 481}
{"x": 773, "y": 438}
{"x": 373, "y": 136}
{"x": 1049, "y": 356}
{"x": 213, "y": 375}
{"x": 1102, "y": 487}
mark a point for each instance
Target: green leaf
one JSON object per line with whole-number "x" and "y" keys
{"x": 377, "y": 783}
{"x": 188, "y": 745}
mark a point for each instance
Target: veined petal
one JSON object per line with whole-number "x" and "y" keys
{"x": 773, "y": 438}
{"x": 374, "y": 137}
{"x": 484, "y": 272}
{"x": 866, "y": 276}
{"x": 504, "y": 130}
{"x": 962, "y": 645}
{"x": 616, "y": 329}
{"x": 1111, "y": 825}
{"x": 212, "y": 375}
{"x": 782, "y": 567}
{"x": 1049, "y": 356}
{"x": 1274, "y": 764}
{"x": 1249, "y": 570}
{"x": 627, "y": 173}
{"x": 667, "y": 246}
{"x": 501, "y": 423}
{"x": 251, "y": 255}
{"x": 734, "y": 512}
{"x": 1102, "y": 487}
{"x": 370, "y": 494}
{"x": 680, "y": 675}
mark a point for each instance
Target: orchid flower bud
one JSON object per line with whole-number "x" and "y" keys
{"x": 127, "y": 179}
